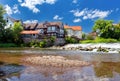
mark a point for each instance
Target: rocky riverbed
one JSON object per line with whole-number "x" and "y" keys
{"x": 100, "y": 47}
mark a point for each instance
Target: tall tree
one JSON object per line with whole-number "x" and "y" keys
{"x": 104, "y": 28}
{"x": 116, "y": 29}
{"x": 2, "y": 24}
{"x": 17, "y": 28}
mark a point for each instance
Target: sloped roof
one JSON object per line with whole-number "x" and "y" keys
{"x": 30, "y": 25}
{"x": 30, "y": 32}
{"x": 46, "y": 24}
{"x": 40, "y": 25}
{"x": 66, "y": 26}
{"x": 76, "y": 28}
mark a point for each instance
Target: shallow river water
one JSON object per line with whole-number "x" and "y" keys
{"x": 103, "y": 67}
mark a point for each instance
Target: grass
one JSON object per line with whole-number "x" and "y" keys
{"x": 100, "y": 40}
{"x": 8, "y": 45}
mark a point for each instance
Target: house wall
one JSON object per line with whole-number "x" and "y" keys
{"x": 78, "y": 34}
{"x": 71, "y": 32}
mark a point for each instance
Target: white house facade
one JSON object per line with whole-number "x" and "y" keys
{"x": 75, "y": 31}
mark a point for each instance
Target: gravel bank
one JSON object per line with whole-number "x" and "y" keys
{"x": 55, "y": 61}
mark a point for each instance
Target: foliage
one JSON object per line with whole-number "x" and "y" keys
{"x": 70, "y": 40}
{"x": 65, "y": 31}
{"x": 8, "y": 38}
{"x": 116, "y": 33}
{"x": 17, "y": 28}
{"x": 2, "y": 24}
{"x": 100, "y": 40}
{"x": 52, "y": 39}
{"x": 42, "y": 43}
{"x": 83, "y": 36}
{"x": 106, "y": 29}
{"x": 33, "y": 43}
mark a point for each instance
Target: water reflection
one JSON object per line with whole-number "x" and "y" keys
{"x": 77, "y": 74}
{"x": 107, "y": 69}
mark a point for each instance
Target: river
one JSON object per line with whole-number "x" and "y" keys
{"x": 103, "y": 67}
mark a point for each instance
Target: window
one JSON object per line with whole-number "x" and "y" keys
{"x": 53, "y": 28}
{"x": 41, "y": 31}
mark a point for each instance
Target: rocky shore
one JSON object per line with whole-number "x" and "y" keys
{"x": 55, "y": 61}
{"x": 100, "y": 47}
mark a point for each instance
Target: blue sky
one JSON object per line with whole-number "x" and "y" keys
{"x": 72, "y": 12}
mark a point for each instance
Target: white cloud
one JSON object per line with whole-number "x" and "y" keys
{"x": 50, "y": 1}
{"x": 20, "y": 1}
{"x": 30, "y": 21}
{"x": 74, "y": 1}
{"x": 15, "y": 9}
{"x": 56, "y": 17}
{"x": 31, "y": 4}
{"x": 91, "y": 14}
{"x": 85, "y": 17}
{"x": 8, "y": 9}
{"x": 78, "y": 13}
{"x": 77, "y": 20}
{"x": 12, "y": 10}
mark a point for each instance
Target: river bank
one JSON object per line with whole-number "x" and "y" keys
{"x": 92, "y": 47}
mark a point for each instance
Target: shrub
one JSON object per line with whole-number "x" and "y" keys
{"x": 42, "y": 44}
{"x": 52, "y": 39}
{"x": 71, "y": 40}
{"x": 33, "y": 43}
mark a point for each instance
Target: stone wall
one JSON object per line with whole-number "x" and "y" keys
{"x": 58, "y": 41}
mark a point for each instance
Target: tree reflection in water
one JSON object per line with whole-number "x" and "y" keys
{"x": 107, "y": 69}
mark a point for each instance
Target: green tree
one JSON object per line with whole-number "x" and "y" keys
{"x": 104, "y": 28}
{"x": 83, "y": 36}
{"x": 8, "y": 38}
{"x": 17, "y": 28}
{"x": 2, "y": 24}
{"x": 116, "y": 33}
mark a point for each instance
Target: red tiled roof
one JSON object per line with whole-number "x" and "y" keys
{"x": 30, "y": 32}
{"x": 66, "y": 26}
{"x": 76, "y": 28}
{"x": 79, "y": 28}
